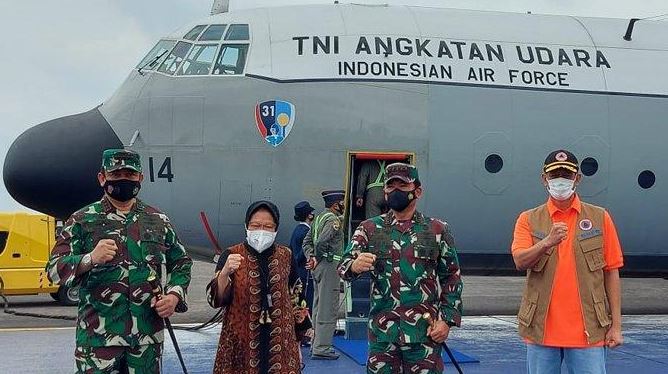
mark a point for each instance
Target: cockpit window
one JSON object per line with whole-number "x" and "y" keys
{"x": 156, "y": 55}
{"x": 175, "y": 58}
{"x": 231, "y": 59}
{"x": 212, "y": 56}
{"x": 214, "y": 32}
{"x": 199, "y": 60}
{"x": 237, "y": 32}
{"x": 192, "y": 34}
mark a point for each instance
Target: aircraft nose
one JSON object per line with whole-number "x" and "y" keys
{"x": 52, "y": 167}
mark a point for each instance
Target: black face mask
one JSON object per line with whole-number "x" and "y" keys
{"x": 122, "y": 189}
{"x": 399, "y": 200}
{"x": 339, "y": 208}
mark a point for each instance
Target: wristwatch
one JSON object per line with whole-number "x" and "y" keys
{"x": 87, "y": 260}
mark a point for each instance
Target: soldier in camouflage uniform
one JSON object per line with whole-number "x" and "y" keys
{"x": 109, "y": 249}
{"x": 323, "y": 245}
{"x": 410, "y": 257}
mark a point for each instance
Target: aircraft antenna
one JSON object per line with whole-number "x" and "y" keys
{"x": 220, "y": 6}
{"x": 629, "y": 29}
{"x": 632, "y": 21}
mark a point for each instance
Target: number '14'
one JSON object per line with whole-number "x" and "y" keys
{"x": 165, "y": 170}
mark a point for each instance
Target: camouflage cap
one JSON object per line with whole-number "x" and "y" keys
{"x": 405, "y": 172}
{"x": 116, "y": 159}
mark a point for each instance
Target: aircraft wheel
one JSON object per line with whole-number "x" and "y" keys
{"x": 68, "y": 296}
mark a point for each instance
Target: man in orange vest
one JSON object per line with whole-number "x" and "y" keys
{"x": 571, "y": 307}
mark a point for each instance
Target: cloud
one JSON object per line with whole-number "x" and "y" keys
{"x": 66, "y": 57}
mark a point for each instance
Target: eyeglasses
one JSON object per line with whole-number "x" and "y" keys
{"x": 261, "y": 226}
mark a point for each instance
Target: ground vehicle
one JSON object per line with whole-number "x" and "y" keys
{"x": 26, "y": 240}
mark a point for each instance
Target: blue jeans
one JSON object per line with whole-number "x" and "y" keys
{"x": 547, "y": 360}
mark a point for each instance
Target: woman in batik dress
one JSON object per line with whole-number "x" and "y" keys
{"x": 258, "y": 285}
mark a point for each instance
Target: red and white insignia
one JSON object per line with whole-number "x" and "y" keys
{"x": 585, "y": 225}
{"x": 561, "y": 156}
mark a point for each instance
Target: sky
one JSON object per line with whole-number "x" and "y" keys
{"x": 65, "y": 57}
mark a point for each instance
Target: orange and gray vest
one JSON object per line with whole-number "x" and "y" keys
{"x": 589, "y": 264}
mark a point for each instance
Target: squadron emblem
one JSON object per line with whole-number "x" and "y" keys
{"x": 274, "y": 120}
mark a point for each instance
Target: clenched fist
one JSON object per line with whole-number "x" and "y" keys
{"x": 558, "y": 233}
{"x": 438, "y": 331}
{"x": 165, "y": 305}
{"x": 232, "y": 264}
{"x": 363, "y": 262}
{"x": 104, "y": 251}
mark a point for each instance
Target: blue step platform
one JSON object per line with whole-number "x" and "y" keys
{"x": 358, "y": 350}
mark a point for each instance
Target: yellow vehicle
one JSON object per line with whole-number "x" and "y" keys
{"x": 26, "y": 240}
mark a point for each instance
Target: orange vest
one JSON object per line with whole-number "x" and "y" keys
{"x": 589, "y": 262}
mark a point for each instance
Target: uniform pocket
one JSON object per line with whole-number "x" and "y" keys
{"x": 153, "y": 247}
{"x": 540, "y": 265}
{"x": 528, "y": 309}
{"x": 602, "y": 315}
{"x": 379, "y": 243}
{"x": 593, "y": 252}
{"x": 426, "y": 255}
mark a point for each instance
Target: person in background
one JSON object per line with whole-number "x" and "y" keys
{"x": 304, "y": 216}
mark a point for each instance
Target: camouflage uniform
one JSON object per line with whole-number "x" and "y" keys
{"x": 116, "y": 321}
{"x": 141, "y": 359}
{"x": 325, "y": 242}
{"x": 415, "y": 259}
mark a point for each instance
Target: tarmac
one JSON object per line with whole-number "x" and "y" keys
{"x": 488, "y": 332}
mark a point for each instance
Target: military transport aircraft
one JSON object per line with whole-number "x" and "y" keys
{"x": 282, "y": 102}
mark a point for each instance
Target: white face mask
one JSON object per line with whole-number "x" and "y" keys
{"x": 260, "y": 240}
{"x": 561, "y": 188}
